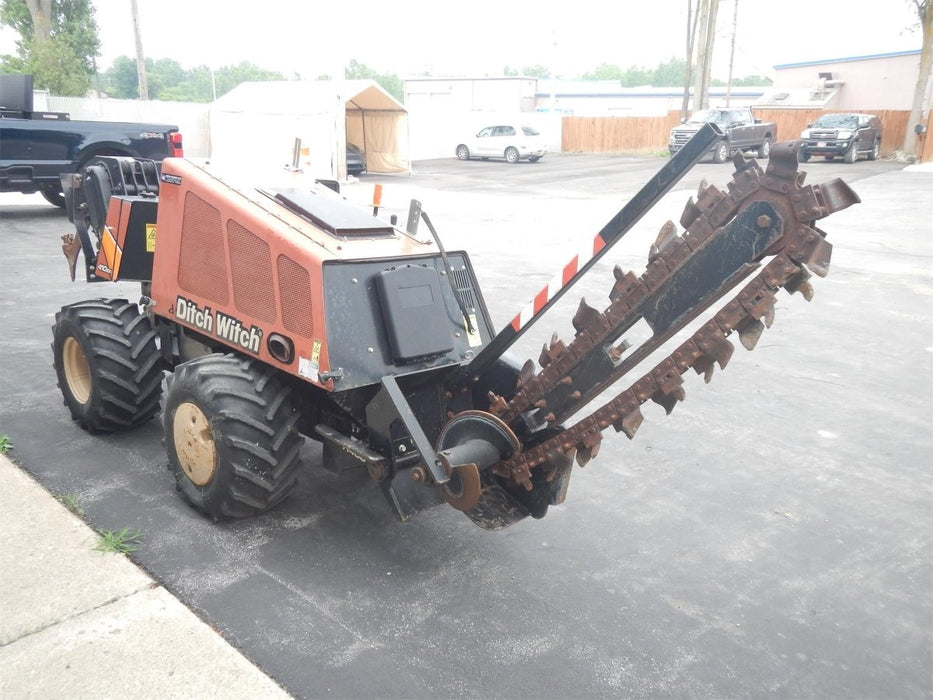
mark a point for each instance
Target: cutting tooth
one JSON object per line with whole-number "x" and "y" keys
{"x": 667, "y": 234}
{"x": 497, "y": 404}
{"x": 586, "y": 452}
{"x": 768, "y": 316}
{"x": 690, "y": 213}
{"x": 586, "y": 317}
{"x": 669, "y": 399}
{"x": 544, "y": 359}
{"x": 718, "y": 348}
{"x": 624, "y": 280}
{"x": 750, "y": 333}
{"x": 629, "y": 423}
{"x": 526, "y": 374}
{"x": 705, "y": 365}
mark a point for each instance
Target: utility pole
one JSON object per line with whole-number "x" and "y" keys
{"x": 735, "y": 21}
{"x": 708, "y": 10}
{"x": 140, "y": 57}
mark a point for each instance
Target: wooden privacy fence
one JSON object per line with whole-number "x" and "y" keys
{"x": 650, "y": 134}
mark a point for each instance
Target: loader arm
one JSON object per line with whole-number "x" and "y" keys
{"x": 764, "y": 223}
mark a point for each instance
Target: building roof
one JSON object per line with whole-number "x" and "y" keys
{"x": 848, "y": 59}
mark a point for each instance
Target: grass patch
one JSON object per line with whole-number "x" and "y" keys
{"x": 5, "y": 444}
{"x": 70, "y": 501}
{"x": 122, "y": 541}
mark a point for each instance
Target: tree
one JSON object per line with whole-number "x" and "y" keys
{"x": 604, "y": 71}
{"x": 708, "y": 10}
{"x": 692, "y": 22}
{"x": 390, "y": 82}
{"x": 58, "y": 42}
{"x": 925, "y": 15}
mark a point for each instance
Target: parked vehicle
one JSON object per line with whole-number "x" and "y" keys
{"x": 508, "y": 141}
{"x": 36, "y": 148}
{"x": 846, "y": 135}
{"x": 742, "y": 133}
{"x": 356, "y": 160}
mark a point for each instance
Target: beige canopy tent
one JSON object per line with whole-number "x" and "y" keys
{"x": 256, "y": 125}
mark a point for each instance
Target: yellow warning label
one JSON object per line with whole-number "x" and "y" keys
{"x": 150, "y": 238}
{"x": 473, "y": 335}
{"x": 316, "y": 352}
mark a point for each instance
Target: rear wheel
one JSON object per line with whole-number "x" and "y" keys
{"x": 764, "y": 150}
{"x": 721, "y": 152}
{"x": 463, "y": 153}
{"x": 230, "y": 435}
{"x": 534, "y": 159}
{"x": 511, "y": 154}
{"x": 108, "y": 365}
{"x": 875, "y": 150}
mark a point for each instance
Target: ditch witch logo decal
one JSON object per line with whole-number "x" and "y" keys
{"x": 218, "y": 324}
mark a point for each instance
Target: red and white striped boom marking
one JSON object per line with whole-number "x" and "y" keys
{"x": 555, "y": 285}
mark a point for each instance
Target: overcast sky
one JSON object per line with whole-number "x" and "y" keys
{"x": 480, "y": 37}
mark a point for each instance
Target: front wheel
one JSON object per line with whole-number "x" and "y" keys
{"x": 852, "y": 154}
{"x": 721, "y": 152}
{"x": 764, "y": 150}
{"x": 54, "y": 197}
{"x": 511, "y": 154}
{"x": 463, "y": 153}
{"x": 108, "y": 364}
{"x": 230, "y": 433}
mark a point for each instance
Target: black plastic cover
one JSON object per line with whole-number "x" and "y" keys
{"x": 413, "y": 309}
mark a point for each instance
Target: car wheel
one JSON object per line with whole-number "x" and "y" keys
{"x": 511, "y": 154}
{"x": 852, "y": 154}
{"x": 463, "y": 153}
{"x": 875, "y": 150}
{"x": 802, "y": 155}
{"x": 721, "y": 152}
{"x": 534, "y": 159}
{"x": 764, "y": 150}
{"x": 54, "y": 197}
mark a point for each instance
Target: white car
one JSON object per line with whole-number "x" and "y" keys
{"x": 507, "y": 141}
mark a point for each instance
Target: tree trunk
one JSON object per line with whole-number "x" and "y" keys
{"x": 925, "y": 13}
{"x": 140, "y": 57}
{"x": 41, "y": 13}
{"x": 705, "y": 52}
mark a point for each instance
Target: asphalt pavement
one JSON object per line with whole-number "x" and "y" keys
{"x": 773, "y": 537}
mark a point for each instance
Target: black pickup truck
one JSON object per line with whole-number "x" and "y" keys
{"x": 742, "y": 132}
{"x": 36, "y": 148}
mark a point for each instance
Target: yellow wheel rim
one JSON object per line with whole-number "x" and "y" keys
{"x": 194, "y": 443}
{"x": 77, "y": 373}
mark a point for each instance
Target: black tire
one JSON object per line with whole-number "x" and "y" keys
{"x": 764, "y": 150}
{"x": 54, "y": 197}
{"x": 802, "y": 155}
{"x": 512, "y": 155}
{"x": 230, "y": 434}
{"x": 108, "y": 364}
{"x": 463, "y": 153}
{"x": 721, "y": 152}
{"x": 875, "y": 150}
{"x": 534, "y": 159}
{"x": 851, "y": 155}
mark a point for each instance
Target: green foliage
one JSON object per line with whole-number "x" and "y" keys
{"x": 390, "y": 82}
{"x": 62, "y": 63}
{"x": 122, "y": 541}
{"x": 5, "y": 444}
{"x": 168, "y": 80}
{"x": 70, "y": 501}
{"x": 669, "y": 73}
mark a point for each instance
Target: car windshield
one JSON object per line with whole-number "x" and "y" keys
{"x": 836, "y": 120}
{"x": 708, "y": 115}
{"x": 530, "y": 131}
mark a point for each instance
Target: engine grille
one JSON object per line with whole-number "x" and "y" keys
{"x": 202, "y": 269}
{"x": 251, "y": 265}
{"x": 295, "y": 295}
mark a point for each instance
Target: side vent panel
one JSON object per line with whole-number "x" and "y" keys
{"x": 295, "y": 295}
{"x": 202, "y": 269}
{"x": 251, "y": 265}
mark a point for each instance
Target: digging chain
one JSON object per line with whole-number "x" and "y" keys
{"x": 799, "y": 249}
